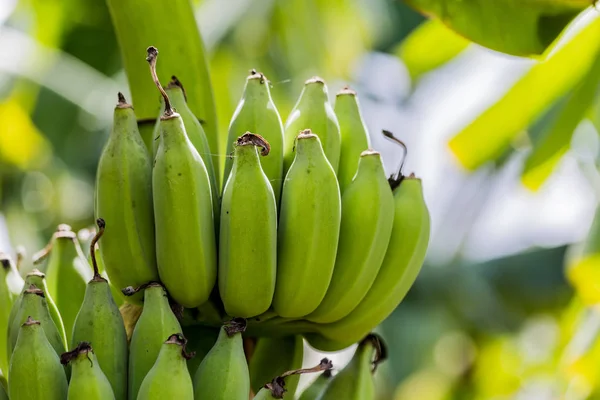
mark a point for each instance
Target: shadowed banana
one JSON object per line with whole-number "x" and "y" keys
{"x": 314, "y": 390}
{"x": 223, "y": 374}
{"x": 272, "y": 357}
{"x": 365, "y": 230}
{"x": 355, "y": 380}
{"x": 169, "y": 378}
{"x": 67, "y": 272}
{"x": 195, "y": 133}
{"x": 34, "y": 305}
{"x": 124, "y": 200}
{"x": 35, "y": 370}
{"x": 200, "y": 340}
{"x": 88, "y": 382}
{"x": 183, "y": 210}
{"x": 155, "y": 324}
{"x": 248, "y": 241}
{"x": 313, "y": 111}
{"x": 354, "y": 133}
{"x": 309, "y": 228}
{"x": 403, "y": 260}
{"x": 100, "y": 322}
{"x": 256, "y": 112}
{"x": 277, "y": 387}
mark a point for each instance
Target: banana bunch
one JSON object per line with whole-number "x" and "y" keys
{"x": 307, "y": 239}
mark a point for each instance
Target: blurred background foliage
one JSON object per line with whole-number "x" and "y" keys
{"x": 507, "y": 146}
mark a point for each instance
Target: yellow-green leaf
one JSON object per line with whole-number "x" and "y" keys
{"x": 555, "y": 142}
{"x": 489, "y": 135}
{"x": 429, "y": 46}
{"x": 518, "y": 27}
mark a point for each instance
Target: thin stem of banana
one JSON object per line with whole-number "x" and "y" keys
{"x": 151, "y": 58}
{"x": 101, "y": 225}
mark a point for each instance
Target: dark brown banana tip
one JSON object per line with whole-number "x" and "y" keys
{"x": 249, "y": 138}
{"x": 236, "y": 325}
{"x": 180, "y": 340}
{"x": 380, "y": 347}
{"x": 68, "y": 356}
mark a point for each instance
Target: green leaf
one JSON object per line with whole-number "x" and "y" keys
{"x": 518, "y": 27}
{"x": 429, "y": 46}
{"x": 491, "y": 134}
{"x": 555, "y": 141}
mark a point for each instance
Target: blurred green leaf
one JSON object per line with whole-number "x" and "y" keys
{"x": 518, "y": 27}
{"x": 548, "y": 151}
{"x": 429, "y": 46}
{"x": 487, "y": 138}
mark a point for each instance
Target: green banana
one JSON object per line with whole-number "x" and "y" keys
{"x": 200, "y": 340}
{"x": 355, "y": 136}
{"x": 365, "y": 230}
{"x": 38, "y": 279}
{"x": 248, "y": 241}
{"x": 155, "y": 324}
{"x": 124, "y": 200}
{"x": 183, "y": 210}
{"x": 313, "y": 111}
{"x": 273, "y": 356}
{"x": 88, "y": 381}
{"x": 355, "y": 380}
{"x": 169, "y": 378}
{"x": 196, "y": 135}
{"x": 256, "y": 112}
{"x": 401, "y": 265}
{"x": 35, "y": 370}
{"x": 309, "y": 228}
{"x": 67, "y": 272}
{"x": 223, "y": 374}
{"x": 7, "y": 299}
{"x": 34, "y": 305}
{"x": 317, "y": 387}
{"x": 277, "y": 387}
{"x": 100, "y": 322}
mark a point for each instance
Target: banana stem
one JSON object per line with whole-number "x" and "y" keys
{"x": 394, "y": 139}
{"x": 101, "y": 225}
{"x": 151, "y": 58}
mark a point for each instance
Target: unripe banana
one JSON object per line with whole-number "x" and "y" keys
{"x": 100, "y": 322}
{"x": 318, "y": 386}
{"x": 183, "y": 211}
{"x": 35, "y": 370}
{"x": 355, "y": 380}
{"x": 195, "y": 133}
{"x": 155, "y": 324}
{"x": 256, "y": 112}
{"x": 277, "y": 387}
{"x": 169, "y": 378}
{"x": 313, "y": 111}
{"x": 365, "y": 230}
{"x": 124, "y": 200}
{"x": 7, "y": 298}
{"x": 67, "y": 272}
{"x": 34, "y": 305}
{"x": 355, "y": 136}
{"x": 223, "y": 374}
{"x": 88, "y": 381}
{"x": 309, "y": 228}
{"x": 401, "y": 265}
{"x": 200, "y": 340}
{"x": 38, "y": 279}
{"x": 248, "y": 237}
{"x": 273, "y": 356}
